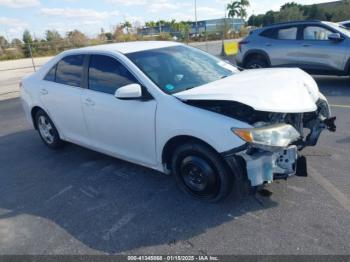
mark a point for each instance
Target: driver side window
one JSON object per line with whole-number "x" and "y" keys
{"x": 106, "y": 74}
{"x": 316, "y": 33}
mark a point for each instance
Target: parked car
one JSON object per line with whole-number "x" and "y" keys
{"x": 179, "y": 110}
{"x": 346, "y": 24}
{"x": 314, "y": 46}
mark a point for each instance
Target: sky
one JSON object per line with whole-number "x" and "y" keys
{"x": 90, "y": 16}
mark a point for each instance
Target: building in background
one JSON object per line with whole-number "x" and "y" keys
{"x": 205, "y": 27}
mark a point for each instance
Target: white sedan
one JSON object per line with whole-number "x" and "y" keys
{"x": 181, "y": 111}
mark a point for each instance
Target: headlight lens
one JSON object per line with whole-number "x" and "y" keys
{"x": 279, "y": 135}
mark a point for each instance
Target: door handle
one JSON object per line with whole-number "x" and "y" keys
{"x": 89, "y": 102}
{"x": 44, "y": 91}
{"x": 307, "y": 45}
{"x": 268, "y": 44}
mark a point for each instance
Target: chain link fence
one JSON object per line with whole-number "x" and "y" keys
{"x": 22, "y": 56}
{"x": 18, "y": 60}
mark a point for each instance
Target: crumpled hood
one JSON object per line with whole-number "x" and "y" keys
{"x": 282, "y": 90}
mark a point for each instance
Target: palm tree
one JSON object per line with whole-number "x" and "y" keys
{"x": 173, "y": 25}
{"x": 233, "y": 9}
{"x": 126, "y": 25}
{"x": 243, "y": 4}
{"x": 238, "y": 8}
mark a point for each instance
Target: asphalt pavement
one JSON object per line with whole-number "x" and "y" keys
{"x": 76, "y": 201}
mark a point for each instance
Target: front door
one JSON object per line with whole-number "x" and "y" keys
{"x": 124, "y": 128}
{"x": 318, "y": 53}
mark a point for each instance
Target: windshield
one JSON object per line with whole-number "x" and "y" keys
{"x": 178, "y": 68}
{"x": 342, "y": 29}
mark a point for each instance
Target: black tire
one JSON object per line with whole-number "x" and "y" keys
{"x": 256, "y": 63}
{"x": 201, "y": 172}
{"x": 55, "y": 141}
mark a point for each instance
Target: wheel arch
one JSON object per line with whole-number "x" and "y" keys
{"x": 176, "y": 141}
{"x": 33, "y": 112}
{"x": 256, "y": 53}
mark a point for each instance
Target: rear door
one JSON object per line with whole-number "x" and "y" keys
{"x": 318, "y": 53}
{"x": 61, "y": 95}
{"x": 282, "y": 45}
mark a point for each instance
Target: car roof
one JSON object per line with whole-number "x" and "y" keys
{"x": 294, "y": 23}
{"x": 130, "y": 47}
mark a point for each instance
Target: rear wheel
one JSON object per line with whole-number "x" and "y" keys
{"x": 47, "y": 130}
{"x": 200, "y": 172}
{"x": 256, "y": 63}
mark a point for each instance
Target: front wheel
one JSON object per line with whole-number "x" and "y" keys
{"x": 200, "y": 172}
{"x": 47, "y": 130}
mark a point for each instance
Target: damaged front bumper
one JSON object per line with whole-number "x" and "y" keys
{"x": 264, "y": 167}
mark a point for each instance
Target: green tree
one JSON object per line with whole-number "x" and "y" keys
{"x": 314, "y": 12}
{"x": 109, "y": 36}
{"x": 52, "y": 35}
{"x": 27, "y": 37}
{"x": 150, "y": 24}
{"x": 256, "y": 20}
{"x": 238, "y": 8}
{"x": 54, "y": 40}
{"x": 16, "y": 42}
{"x": 269, "y": 18}
{"x": 334, "y": 11}
{"x": 118, "y": 33}
{"x": 3, "y": 41}
{"x": 233, "y": 9}
{"x": 172, "y": 25}
{"x": 290, "y": 14}
{"x": 161, "y": 23}
{"x": 126, "y": 25}
{"x": 77, "y": 38}
{"x": 243, "y": 4}
{"x": 3, "y": 44}
{"x": 184, "y": 29}
{"x": 291, "y": 4}
{"x": 340, "y": 12}
{"x": 28, "y": 49}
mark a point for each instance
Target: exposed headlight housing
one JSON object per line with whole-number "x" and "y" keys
{"x": 275, "y": 136}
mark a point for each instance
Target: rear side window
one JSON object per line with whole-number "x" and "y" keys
{"x": 51, "y": 75}
{"x": 106, "y": 74}
{"x": 70, "y": 70}
{"x": 270, "y": 33}
{"x": 289, "y": 33}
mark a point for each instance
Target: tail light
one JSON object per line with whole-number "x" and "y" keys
{"x": 242, "y": 43}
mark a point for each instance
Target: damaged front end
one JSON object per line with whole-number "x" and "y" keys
{"x": 275, "y": 139}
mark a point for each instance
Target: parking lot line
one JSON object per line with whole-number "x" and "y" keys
{"x": 341, "y": 106}
{"x": 331, "y": 189}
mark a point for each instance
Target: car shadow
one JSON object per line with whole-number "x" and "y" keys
{"x": 109, "y": 205}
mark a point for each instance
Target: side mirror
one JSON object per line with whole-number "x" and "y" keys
{"x": 335, "y": 37}
{"x": 132, "y": 91}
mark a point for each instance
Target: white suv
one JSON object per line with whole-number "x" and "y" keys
{"x": 179, "y": 110}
